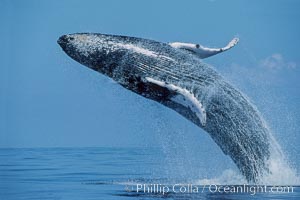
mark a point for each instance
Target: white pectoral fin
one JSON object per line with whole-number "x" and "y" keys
{"x": 184, "y": 98}
{"x": 231, "y": 44}
{"x": 201, "y": 51}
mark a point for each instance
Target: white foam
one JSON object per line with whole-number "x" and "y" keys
{"x": 280, "y": 173}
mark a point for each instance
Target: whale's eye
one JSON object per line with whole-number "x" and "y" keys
{"x": 71, "y": 38}
{"x": 197, "y": 46}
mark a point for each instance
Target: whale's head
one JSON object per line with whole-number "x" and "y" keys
{"x": 127, "y": 60}
{"x": 104, "y": 53}
{"x": 96, "y": 51}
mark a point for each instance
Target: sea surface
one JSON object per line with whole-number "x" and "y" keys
{"x": 108, "y": 173}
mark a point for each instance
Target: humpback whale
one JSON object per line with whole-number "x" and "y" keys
{"x": 173, "y": 75}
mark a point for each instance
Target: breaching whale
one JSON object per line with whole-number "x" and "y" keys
{"x": 173, "y": 75}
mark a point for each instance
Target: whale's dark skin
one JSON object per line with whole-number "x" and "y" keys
{"x": 231, "y": 120}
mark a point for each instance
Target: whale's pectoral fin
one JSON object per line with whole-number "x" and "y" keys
{"x": 201, "y": 51}
{"x": 183, "y": 97}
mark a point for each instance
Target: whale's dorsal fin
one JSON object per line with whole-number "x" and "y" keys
{"x": 183, "y": 97}
{"x": 201, "y": 51}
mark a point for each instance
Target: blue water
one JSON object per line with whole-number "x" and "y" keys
{"x": 98, "y": 173}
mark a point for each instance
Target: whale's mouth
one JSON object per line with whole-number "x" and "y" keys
{"x": 65, "y": 40}
{"x": 62, "y": 40}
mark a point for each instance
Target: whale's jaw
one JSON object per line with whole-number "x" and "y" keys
{"x": 185, "y": 84}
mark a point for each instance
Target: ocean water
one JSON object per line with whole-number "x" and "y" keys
{"x": 108, "y": 173}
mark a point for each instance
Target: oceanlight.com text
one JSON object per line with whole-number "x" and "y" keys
{"x": 221, "y": 189}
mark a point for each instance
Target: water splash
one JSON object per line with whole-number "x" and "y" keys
{"x": 280, "y": 170}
